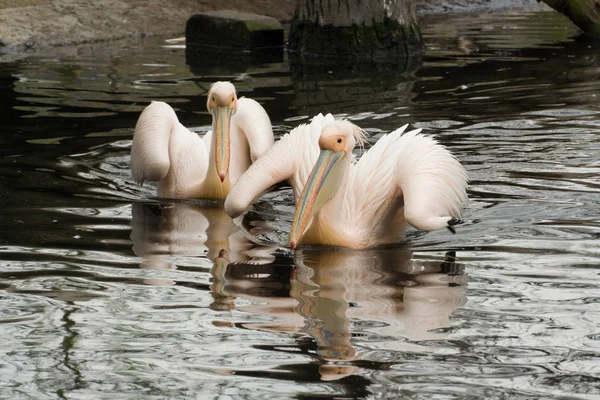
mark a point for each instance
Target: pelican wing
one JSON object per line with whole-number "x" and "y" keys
{"x": 432, "y": 181}
{"x": 371, "y": 189}
{"x": 252, "y": 118}
{"x": 150, "y": 149}
{"x": 292, "y": 157}
{"x": 405, "y": 169}
{"x": 163, "y": 150}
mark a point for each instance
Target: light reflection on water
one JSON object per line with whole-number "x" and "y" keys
{"x": 109, "y": 292}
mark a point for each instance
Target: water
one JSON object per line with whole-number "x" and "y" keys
{"x": 106, "y": 292}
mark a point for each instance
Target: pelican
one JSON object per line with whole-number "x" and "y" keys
{"x": 186, "y": 166}
{"x": 405, "y": 177}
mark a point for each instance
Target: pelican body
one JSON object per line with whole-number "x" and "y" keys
{"x": 405, "y": 177}
{"x": 187, "y": 166}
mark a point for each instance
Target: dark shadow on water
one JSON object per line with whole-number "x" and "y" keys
{"x": 323, "y": 87}
{"x": 206, "y": 61}
{"x": 510, "y": 81}
{"x": 68, "y": 346}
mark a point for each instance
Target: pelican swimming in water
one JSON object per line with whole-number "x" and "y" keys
{"x": 404, "y": 177}
{"x": 186, "y": 166}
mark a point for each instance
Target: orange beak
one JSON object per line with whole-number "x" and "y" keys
{"x": 222, "y": 117}
{"x": 322, "y": 184}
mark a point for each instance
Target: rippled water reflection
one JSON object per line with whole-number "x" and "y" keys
{"x": 107, "y": 292}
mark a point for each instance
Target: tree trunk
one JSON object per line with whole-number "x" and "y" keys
{"x": 584, "y": 13}
{"x": 361, "y": 30}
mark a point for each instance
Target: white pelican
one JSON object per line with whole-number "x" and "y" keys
{"x": 404, "y": 177}
{"x": 186, "y": 166}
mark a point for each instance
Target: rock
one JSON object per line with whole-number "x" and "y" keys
{"x": 228, "y": 29}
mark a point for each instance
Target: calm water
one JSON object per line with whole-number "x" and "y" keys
{"x": 106, "y": 292}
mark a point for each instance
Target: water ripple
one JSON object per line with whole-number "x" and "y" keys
{"x": 105, "y": 288}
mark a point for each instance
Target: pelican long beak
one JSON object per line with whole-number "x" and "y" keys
{"x": 222, "y": 119}
{"x": 322, "y": 184}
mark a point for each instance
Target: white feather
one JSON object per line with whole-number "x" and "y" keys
{"x": 433, "y": 182}
{"x": 159, "y": 138}
{"x": 409, "y": 169}
{"x": 371, "y": 186}
{"x": 150, "y": 148}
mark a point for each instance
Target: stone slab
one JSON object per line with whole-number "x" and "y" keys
{"x": 228, "y": 29}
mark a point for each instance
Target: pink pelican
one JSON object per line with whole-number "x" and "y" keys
{"x": 405, "y": 177}
{"x": 186, "y": 166}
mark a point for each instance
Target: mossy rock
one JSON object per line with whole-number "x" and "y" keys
{"x": 227, "y": 29}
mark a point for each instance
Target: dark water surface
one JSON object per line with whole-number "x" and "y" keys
{"x": 106, "y": 292}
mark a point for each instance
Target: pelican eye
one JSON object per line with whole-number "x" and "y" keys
{"x": 339, "y": 140}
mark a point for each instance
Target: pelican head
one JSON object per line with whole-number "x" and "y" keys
{"x": 336, "y": 142}
{"x": 222, "y": 104}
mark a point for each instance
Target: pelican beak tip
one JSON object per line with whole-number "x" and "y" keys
{"x": 222, "y": 177}
{"x": 293, "y": 244}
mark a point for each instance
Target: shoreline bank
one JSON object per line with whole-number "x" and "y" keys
{"x": 28, "y": 25}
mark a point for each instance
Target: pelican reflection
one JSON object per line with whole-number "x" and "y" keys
{"x": 391, "y": 293}
{"x": 337, "y": 296}
{"x": 172, "y": 235}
